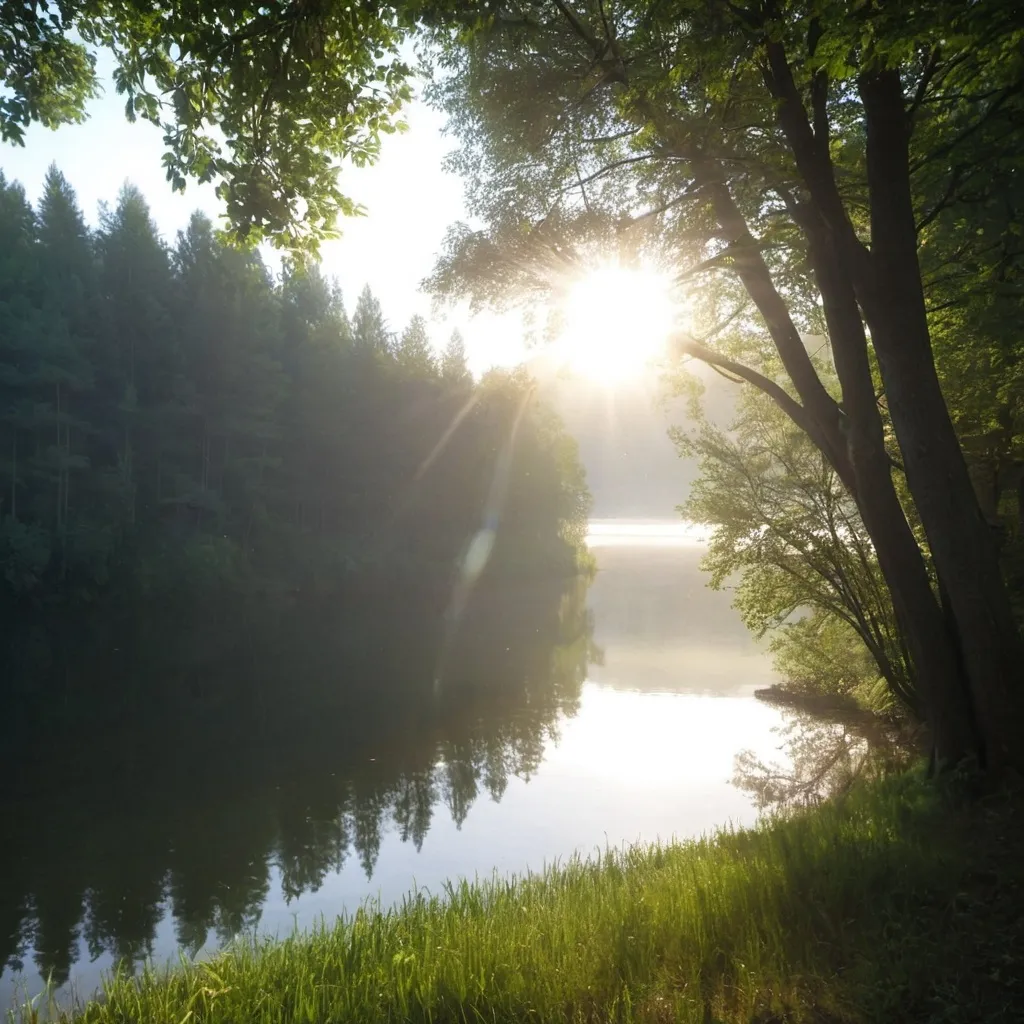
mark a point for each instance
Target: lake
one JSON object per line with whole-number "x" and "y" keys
{"x": 541, "y": 726}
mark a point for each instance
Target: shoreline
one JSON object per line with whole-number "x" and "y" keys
{"x": 841, "y": 912}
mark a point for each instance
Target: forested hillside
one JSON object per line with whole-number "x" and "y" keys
{"x": 173, "y": 418}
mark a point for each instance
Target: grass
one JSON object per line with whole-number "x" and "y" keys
{"x": 892, "y": 904}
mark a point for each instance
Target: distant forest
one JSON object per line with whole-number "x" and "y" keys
{"x": 174, "y": 417}
{"x": 195, "y": 455}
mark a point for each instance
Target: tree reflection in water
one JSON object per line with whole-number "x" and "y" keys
{"x": 824, "y": 753}
{"x": 296, "y": 754}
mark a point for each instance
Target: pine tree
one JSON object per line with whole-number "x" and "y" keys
{"x": 235, "y": 385}
{"x": 18, "y": 282}
{"x": 339, "y": 317}
{"x": 454, "y": 367}
{"x": 313, "y": 307}
{"x": 255, "y": 395}
{"x": 136, "y": 362}
{"x": 414, "y": 352}
{"x": 369, "y": 328}
{"x": 67, "y": 289}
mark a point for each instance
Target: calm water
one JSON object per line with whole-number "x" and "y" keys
{"x": 622, "y": 728}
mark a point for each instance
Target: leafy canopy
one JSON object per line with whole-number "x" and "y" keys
{"x": 262, "y": 100}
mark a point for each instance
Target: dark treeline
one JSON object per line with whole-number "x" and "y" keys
{"x": 154, "y": 397}
{"x": 441, "y": 720}
{"x": 178, "y": 427}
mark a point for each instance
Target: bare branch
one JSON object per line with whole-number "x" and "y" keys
{"x": 711, "y": 263}
{"x": 615, "y": 165}
{"x": 581, "y": 29}
{"x": 947, "y": 197}
{"x": 683, "y": 197}
{"x": 819, "y": 90}
{"x": 927, "y": 75}
{"x": 727, "y": 376}
{"x": 722, "y": 325}
{"x": 811, "y": 153}
{"x": 614, "y": 137}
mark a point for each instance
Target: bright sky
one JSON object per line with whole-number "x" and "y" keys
{"x": 409, "y": 199}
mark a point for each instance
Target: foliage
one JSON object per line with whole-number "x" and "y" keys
{"x": 414, "y": 351}
{"x": 369, "y": 329}
{"x": 453, "y": 360}
{"x": 785, "y": 526}
{"x": 974, "y": 274}
{"x": 840, "y": 913}
{"x": 261, "y": 101}
{"x": 175, "y": 421}
{"x": 819, "y": 653}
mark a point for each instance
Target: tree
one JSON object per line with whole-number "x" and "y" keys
{"x": 260, "y": 101}
{"x": 67, "y": 304}
{"x": 25, "y": 545}
{"x": 136, "y": 360}
{"x": 454, "y": 367}
{"x": 784, "y": 524}
{"x": 973, "y": 267}
{"x": 235, "y": 387}
{"x": 414, "y": 352}
{"x": 779, "y": 147}
{"x": 369, "y": 329}
{"x": 46, "y": 371}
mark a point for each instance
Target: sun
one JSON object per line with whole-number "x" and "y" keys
{"x": 616, "y": 321}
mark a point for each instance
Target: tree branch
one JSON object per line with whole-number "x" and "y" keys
{"x": 581, "y": 29}
{"x": 615, "y": 165}
{"x": 614, "y": 137}
{"x": 922, "y": 86}
{"x": 947, "y": 197}
{"x": 683, "y": 197}
{"x": 811, "y": 155}
{"x": 757, "y": 279}
{"x": 785, "y": 401}
{"x": 819, "y": 90}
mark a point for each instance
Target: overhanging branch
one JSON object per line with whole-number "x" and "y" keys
{"x": 782, "y": 398}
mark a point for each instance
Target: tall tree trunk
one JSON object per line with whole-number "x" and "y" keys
{"x": 829, "y": 230}
{"x": 1020, "y": 503}
{"x": 932, "y": 647}
{"x": 14, "y": 477}
{"x": 60, "y": 466}
{"x": 854, "y": 446}
{"x": 959, "y": 538}
{"x": 67, "y": 471}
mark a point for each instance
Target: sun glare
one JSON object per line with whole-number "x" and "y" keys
{"x": 617, "y": 319}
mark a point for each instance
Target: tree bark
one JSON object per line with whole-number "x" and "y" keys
{"x": 932, "y": 647}
{"x": 959, "y": 538}
{"x": 1020, "y": 504}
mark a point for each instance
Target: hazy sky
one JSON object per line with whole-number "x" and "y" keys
{"x": 410, "y": 200}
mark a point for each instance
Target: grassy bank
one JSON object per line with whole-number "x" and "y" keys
{"x": 893, "y": 904}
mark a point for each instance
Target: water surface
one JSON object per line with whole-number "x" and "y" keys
{"x": 530, "y": 743}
